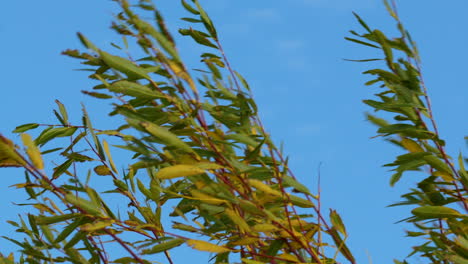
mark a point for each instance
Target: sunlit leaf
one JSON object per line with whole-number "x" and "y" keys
{"x": 163, "y": 246}
{"x": 33, "y": 151}
{"x": 206, "y": 246}
{"x": 25, "y": 127}
{"x": 428, "y": 212}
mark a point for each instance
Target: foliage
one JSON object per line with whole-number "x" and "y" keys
{"x": 197, "y": 144}
{"x": 439, "y": 201}
{"x": 200, "y": 155}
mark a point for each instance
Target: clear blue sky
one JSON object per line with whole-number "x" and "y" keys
{"x": 291, "y": 53}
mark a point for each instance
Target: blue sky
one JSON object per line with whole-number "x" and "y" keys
{"x": 291, "y": 53}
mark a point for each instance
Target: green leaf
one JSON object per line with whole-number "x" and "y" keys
{"x": 429, "y": 212}
{"x": 163, "y": 246}
{"x": 437, "y": 164}
{"x": 90, "y": 129}
{"x": 47, "y": 220}
{"x": 340, "y": 243}
{"x": 163, "y": 40}
{"x": 206, "y": 20}
{"x": 166, "y": 137}
{"x": 189, "y": 8}
{"x": 380, "y": 122}
{"x": 385, "y": 46}
{"x": 301, "y": 202}
{"x": 70, "y": 228}
{"x": 74, "y": 240}
{"x": 290, "y": 181}
{"x": 25, "y": 127}
{"x": 83, "y": 204}
{"x": 52, "y": 133}
{"x": 198, "y": 36}
{"x": 123, "y": 65}
{"x": 88, "y": 44}
{"x": 63, "y": 111}
{"x": 363, "y": 24}
{"x": 97, "y": 95}
{"x": 134, "y": 89}
{"x": 59, "y": 170}
{"x": 362, "y": 42}
{"x": 337, "y": 222}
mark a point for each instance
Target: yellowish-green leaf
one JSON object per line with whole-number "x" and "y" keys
{"x": 88, "y": 44}
{"x": 180, "y": 72}
{"x": 33, "y": 151}
{"x": 102, "y": 170}
{"x": 47, "y": 220}
{"x": 8, "y": 155}
{"x": 91, "y": 227}
{"x": 288, "y": 257}
{"x": 428, "y": 212}
{"x": 411, "y": 145}
{"x": 133, "y": 89}
{"x": 448, "y": 177}
{"x": 166, "y": 136}
{"x": 159, "y": 37}
{"x": 249, "y": 261}
{"x": 25, "y": 127}
{"x": 123, "y": 65}
{"x": 290, "y": 181}
{"x": 237, "y": 219}
{"x": 107, "y": 150}
{"x": 245, "y": 241}
{"x": 265, "y": 228}
{"x": 83, "y": 204}
{"x": 166, "y": 245}
{"x": 206, "y": 246}
{"x": 264, "y": 188}
{"x": 206, "y": 198}
{"x": 337, "y": 222}
{"x": 437, "y": 164}
{"x": 177, "y": 171}
{"x": 301, "y": 202}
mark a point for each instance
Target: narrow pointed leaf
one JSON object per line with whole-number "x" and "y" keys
{"x": 206, "y": 246}
{"x": 163, "y": 246}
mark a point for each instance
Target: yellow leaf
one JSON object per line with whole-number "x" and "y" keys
{"x": 206, "y": 198}
{"x": 411, "y": 145}
{"x": 245, "y": 241}
{"x": 264, "y": 188}
{"x": 90, "y": 227}
{"x": 43, "y": 208}
{"x": 249, "y": 261}
{"x": 265, "y": 228}
{"x": 182, "y": 73}
{"x": 237, "y": 219}
{"x": 206, "y": 246}
{"x": 444, "y": 175}
{"x": 8, "y": 156}
{"x": 102, "y": 170}
{"x": 176, "y": 171}
{"x": 111, "y": 162}
{"x": 33, "y": 151}
{"x": 288, "y": 257}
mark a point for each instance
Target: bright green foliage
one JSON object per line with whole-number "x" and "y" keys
{"x": 441, "y": 197}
